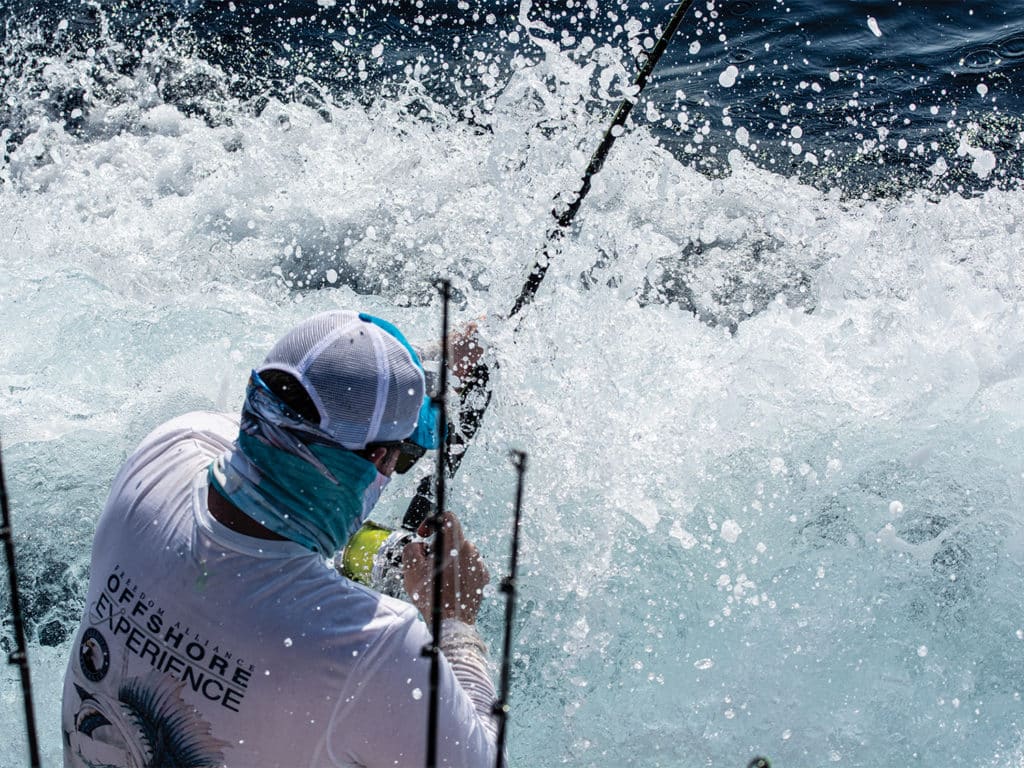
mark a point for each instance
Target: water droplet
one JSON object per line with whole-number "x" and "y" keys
{"x": 417, "y": 694}
{"x": 287, "y": 642}
{"x": 731, "y": 531}
{"x": 728, "y": 77}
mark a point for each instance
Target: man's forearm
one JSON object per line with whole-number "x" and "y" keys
{"x": 466, "y": 653}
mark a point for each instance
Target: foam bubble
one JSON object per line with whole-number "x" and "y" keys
{"x": 731, "y": 531}
{"x": 727, "y": 79}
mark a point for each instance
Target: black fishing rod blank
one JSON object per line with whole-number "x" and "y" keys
{"x": 20, "y": 655}
{"x": 509, "y": 587}
{"x": 564, "y": 219}
{"x": 439, "y": 401}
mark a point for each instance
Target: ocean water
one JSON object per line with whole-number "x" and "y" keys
{"x": 771, "y": 387}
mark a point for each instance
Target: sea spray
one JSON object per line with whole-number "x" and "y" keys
{"x": 723, "y": 386}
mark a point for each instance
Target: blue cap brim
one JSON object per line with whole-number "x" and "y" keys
{"x": 427, "y": 432}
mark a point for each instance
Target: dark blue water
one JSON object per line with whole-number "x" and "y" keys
{"x": 862, "y": 96}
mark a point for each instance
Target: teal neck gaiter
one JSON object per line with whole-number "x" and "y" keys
{"x": 295, "y": 499}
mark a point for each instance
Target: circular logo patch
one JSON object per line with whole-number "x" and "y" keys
{"x": 94, "y": 655}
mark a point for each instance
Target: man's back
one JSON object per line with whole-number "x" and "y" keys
{"x": 203, "y": 647}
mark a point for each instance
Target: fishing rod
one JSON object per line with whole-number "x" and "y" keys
{"x": 475, "y": 396}
{"x": 20, "y": 655}
{"x": 509, "y": 586}
{"x": 439, "y": 401}
{"x": 565, "y": 219}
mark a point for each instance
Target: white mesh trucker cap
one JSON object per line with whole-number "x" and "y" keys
{"x": 363, "y": 380}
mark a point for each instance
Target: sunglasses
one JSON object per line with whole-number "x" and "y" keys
{"x": 262, "y": 395}
{"x": 408, "y": 453}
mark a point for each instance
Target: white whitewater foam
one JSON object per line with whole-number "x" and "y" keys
{"x": 144, "y": 271}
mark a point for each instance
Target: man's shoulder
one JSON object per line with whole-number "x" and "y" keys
{"x": 205, "y": 432}
{"x": 180, "y": 444}
{"x": 207, "y": 426}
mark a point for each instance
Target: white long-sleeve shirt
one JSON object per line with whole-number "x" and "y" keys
{"x": 200, "y": 646}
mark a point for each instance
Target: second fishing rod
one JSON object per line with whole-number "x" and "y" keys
{"x": 18, "y": 657}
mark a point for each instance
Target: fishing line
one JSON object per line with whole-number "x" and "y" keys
{"x": 19, "y": 656}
